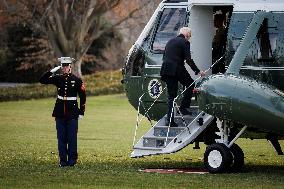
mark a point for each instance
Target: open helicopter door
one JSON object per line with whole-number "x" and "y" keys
{"x": 201, "y": 22}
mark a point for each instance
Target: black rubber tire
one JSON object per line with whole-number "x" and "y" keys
{"x": 218, "y": 158}
{"x": 238, "y": 158}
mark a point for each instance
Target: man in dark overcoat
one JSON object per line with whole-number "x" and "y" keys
{"x": 173, "y": 70}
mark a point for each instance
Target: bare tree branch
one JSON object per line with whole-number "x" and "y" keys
{"x": 71, "y": 25}
{"x": 5, "y": 4}
{"x": 130, "y": 15}
{"x": 54, "y": 43}
{"x": 44, "y": 15}
{"x": 92, "y": 4}
{"x": 61, "y": 7}
{"x": 60, "y": 30}
{"x": 96, "y": 34}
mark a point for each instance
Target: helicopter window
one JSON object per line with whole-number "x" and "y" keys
{"x": 237, "y": 28}
{"x": 263, "y": 49}
{"x": 170, "y": 22}
{"x": 266, "y": 42}
{"x": 280, "y": 40}
{"x": 135, "y": 63}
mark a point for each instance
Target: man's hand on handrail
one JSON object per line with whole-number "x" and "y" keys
{"x": 202, "y": 73}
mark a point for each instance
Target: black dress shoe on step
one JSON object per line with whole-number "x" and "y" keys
{"x": 173, "y": 124}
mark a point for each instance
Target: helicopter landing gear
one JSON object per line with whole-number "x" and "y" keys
{"x": 238, "y": 158}
{"x": 224, "y": 156}
{"x": 217, "y": 158}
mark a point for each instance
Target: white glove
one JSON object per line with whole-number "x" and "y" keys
{"x": 55, "y": 69}
{"x": 81, "y": 116}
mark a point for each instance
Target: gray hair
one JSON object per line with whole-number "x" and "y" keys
{"x": 184, "y": 30}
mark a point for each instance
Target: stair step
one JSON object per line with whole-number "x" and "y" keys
{"x": 158, "y": 138}
{"x": 187, "y": 118}
{"x": 148, "y": 148}
{"x": 156, "y": 142}
{"x": 179, "y": 115}
{"x": 161, "y": 131}
{"x": 178, "y": 120}
{"x": 194, "y": 114}
{"x": 180, "y": 123}
{"x": 184, "y": 116}
{"x": 165, "y": 127}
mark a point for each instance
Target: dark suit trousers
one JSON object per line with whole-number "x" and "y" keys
{"x": 172, "y": 85}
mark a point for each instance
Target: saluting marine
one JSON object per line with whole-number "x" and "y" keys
{"x": 66, "y": 111}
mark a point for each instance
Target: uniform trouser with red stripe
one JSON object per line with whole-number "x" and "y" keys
{"x": 67, "y": 140}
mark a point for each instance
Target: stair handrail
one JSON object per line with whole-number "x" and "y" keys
{"x": 140, "y": 103}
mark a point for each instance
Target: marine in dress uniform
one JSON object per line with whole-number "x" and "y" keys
{"x": 66, "y": 111}
{"x": 177, "y": 50}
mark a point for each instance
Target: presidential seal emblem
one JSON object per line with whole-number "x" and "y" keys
{"x": 154, "y": 88}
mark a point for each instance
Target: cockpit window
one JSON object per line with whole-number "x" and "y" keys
{"x": 172, "y": 19}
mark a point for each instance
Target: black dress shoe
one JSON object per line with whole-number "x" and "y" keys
{"x": 173, "y": 124}
{"x": 72, "y": 163}
{"x": 184, "y": 111}
{"x": 63, "y": 164}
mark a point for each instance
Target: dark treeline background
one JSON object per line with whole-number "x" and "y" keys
{"x": 26, "y": 51}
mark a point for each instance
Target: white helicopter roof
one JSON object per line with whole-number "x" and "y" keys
{"x": 239, "y": 5}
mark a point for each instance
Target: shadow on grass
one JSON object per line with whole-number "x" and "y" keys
{"x": 168, "y": 164}
{"x": 271, "y": 169}
{"x": 85, "y": 138}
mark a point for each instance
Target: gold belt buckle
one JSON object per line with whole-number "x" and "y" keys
{"x": 65, "y": 98}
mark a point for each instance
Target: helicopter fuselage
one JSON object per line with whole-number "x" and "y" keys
{"x": 257, "y": 90}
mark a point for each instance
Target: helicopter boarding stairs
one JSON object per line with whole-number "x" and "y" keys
{"x": 162, "y": 139}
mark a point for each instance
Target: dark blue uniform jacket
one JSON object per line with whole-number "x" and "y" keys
{"x": 68, "y": 85}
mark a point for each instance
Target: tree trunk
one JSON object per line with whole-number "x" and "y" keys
{"x": 76, "y": 68}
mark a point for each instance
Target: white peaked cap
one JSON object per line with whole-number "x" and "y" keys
{"x": 66, "y": 60}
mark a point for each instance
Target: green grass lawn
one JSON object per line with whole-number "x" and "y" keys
{"x": 28, "y": 153}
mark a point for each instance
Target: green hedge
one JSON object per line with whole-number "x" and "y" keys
{"x": 101, "y": 83}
